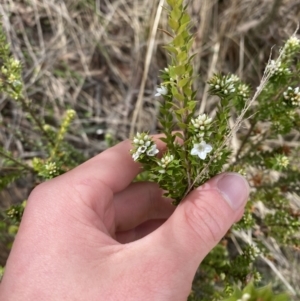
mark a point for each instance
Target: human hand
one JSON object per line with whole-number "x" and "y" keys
{"x": 92, "y": 234}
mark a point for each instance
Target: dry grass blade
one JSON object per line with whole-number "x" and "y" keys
{"x": 149, "y": 54}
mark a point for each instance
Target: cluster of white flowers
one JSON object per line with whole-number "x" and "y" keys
{"x": 234, "y": 78}
{"x": 143, "y": 145}
{"x": 292, "y": 42}
{"x": 14, "y": 81}
{"x": 218, "y": 156}
{"x": 51, "y": 168}
{"x": 201, "y": 124}
{"x": 245, "y": 297}
{"x": 15, "y": 63}
{"x": 224, "y": 84}
{"x": 292, "y": 95}
{"x": 201, "y": 121}
{"x": 243, "y": 90}
{"x": 162, "y": 90}
{"x": 254, "y": 252}
{"x": 291, "y": 45}
{"x": 276, "y": 68}
{"x": 282, "y": 161}
{"x": 165, "y": 160}
{"x": 257, "y": 276}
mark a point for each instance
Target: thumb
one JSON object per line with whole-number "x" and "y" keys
{"x": 202, "y": 219}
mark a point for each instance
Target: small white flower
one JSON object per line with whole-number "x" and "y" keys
{"x": 142, "y": 149}
{"x": 207, "y": 121}
{"x": 234, "y": 78}
{"x": 202, "y": 117}
{"x": 246, "y": 297}
{"x": 152, "y": 151}
{"x": 201, "y": 149}
{"x": 135, "y": 156}
{"x": 161, "y": 91}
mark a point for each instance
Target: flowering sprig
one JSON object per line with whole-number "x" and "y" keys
{"x": 201, "y": 126}
{"x": 164, "y": 162}
{"x": 223, "y": 85}
{"x": 251, "y": 293}
{"x": 290, "y": 48}
{"x": 198, "y": 145}
{"x": 190, "y": 148}
{"x": 292, "y": 96}
{"x": 46, "y": 169}
{"x": 11, "y": 81}
{"x": 143, "y": 148}
{"x": 278, "y": 68}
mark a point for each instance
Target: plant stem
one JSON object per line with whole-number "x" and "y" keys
{"x": 36, "y": 120}
{"x": 245, "y": 141}
{"x": 25, "y": 166}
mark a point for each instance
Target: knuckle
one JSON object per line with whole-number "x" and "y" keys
{"x": 38, "y": 191}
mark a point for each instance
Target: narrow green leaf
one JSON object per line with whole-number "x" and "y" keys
{"x": 183, "y": 28}
{"x": 188, "y": 91}
{"x": 179, "y": 40}
{"x": 185, "y": 18}
{"x": 182, "y": 125}
{"x": 183, "y": 82}
{"x": 179, "y": 135}
{"x": 182, "y": 56}
{"x": 175, "y": 13}
{"x": 171, "y": 49}
{"x": 173, "y": 24}
{"x": 192, "y": 104}
{"x": 179, "y": 70}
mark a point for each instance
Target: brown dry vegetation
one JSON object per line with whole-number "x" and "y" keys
{"x": 101, "y": 59}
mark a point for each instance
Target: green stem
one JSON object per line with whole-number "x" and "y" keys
{"x": 36, "y": 120}
{"x": 25, "y": 166}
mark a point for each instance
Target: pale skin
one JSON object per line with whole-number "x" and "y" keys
{"x": 91, "y": 234}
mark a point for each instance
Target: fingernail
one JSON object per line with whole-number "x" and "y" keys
{"x": 234, "y": 188}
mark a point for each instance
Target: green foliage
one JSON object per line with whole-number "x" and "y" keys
{"x": 182, "y": 167}
{"x": 57, "y": 157}
{"x": 250, "y": 293}
{"x": 10, "y": 73}
{"x": 15, "y": 213}
{"x": 198, "y": 147}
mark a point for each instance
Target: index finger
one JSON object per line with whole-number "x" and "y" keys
{"x": 114, "y": 167}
